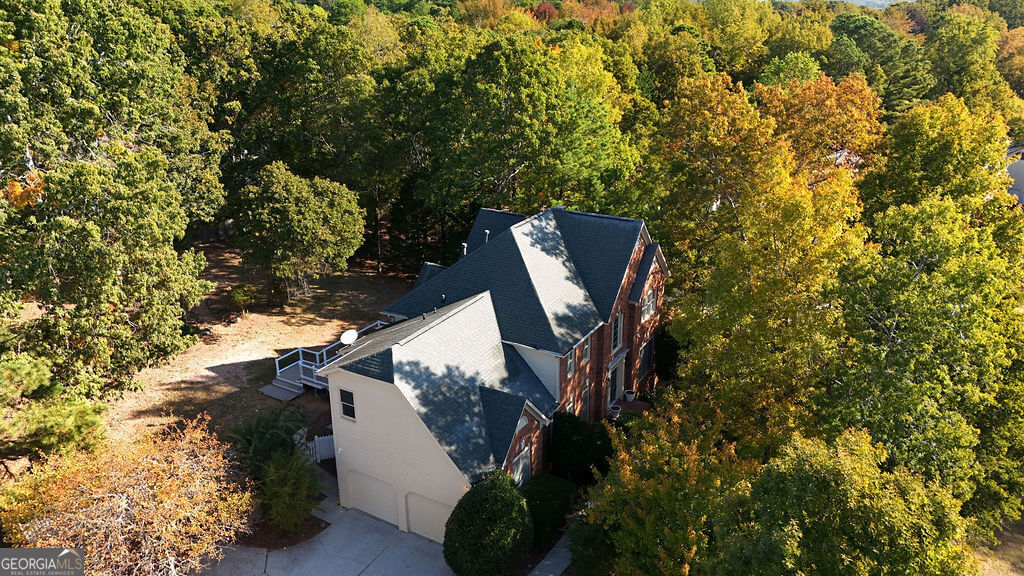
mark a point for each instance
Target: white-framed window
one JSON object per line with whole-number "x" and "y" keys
{"x": 648, "y": 305}
{"x": 617, "y": 332}
{"x": 585, "y": 403}
{"x": 570, "y": 363}
{"x": 586, "y": 349}
{"x": 348, "y": 404}
{"x": 646, "y": 358}
{"x": 571, "y": 406}
{"x": 522, "y": 423}
{"x": 521, "y": 464}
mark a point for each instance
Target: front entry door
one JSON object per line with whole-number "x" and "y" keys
{"x": 615, "y": 382}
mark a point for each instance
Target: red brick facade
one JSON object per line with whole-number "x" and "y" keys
{"x": 533, "y": 435}
{"x": 635, "y": 334}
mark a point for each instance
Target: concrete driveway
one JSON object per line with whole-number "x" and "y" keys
{"x": 353, "y": 545}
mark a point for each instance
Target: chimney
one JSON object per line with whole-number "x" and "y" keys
{"x": 464, "y": 248}
{"x": 487, "y": 236}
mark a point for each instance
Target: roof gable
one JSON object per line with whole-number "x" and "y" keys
{"x": 444, "y": 363}
{"x": 601, "y": 248}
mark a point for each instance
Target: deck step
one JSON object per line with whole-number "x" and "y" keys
{"x": 282, "y": 393}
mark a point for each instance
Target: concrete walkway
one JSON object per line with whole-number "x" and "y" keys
{"x": 557, "y": 561}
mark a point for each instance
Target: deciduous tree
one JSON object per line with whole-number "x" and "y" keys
{"x": 162, "y": 505}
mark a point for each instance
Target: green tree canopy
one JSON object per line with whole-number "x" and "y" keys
{"x": 295, "y": 227}
{"x": 832, "y": 510}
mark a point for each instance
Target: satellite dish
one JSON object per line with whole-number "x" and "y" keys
{"x": 348, "y": 337}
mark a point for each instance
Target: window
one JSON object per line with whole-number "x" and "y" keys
{"x": 571, "y": 406}
{"x": 348, "y": 404}
{"x": 646, "y": 358}
{"x": 585, "y": 412}
{"x": 521, "y": 465}
{"x": 570, "y": 363}
{"x": 649, "y": 303}
{"x": 617, "y": 332}
{"x": 586, "y": 349}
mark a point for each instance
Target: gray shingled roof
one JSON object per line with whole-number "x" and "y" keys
{"x": 636, "y": 292}
{"x": 553, "y": 277}
{"x": 494, "y": 220}
{"x": 428, "y": 271}
{"x": 446, "y": 363}
{"x": 601, "y": 247}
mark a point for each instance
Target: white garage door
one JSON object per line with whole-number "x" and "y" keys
{"x": 426, "y": 516}
{"x": 373, "y": 496}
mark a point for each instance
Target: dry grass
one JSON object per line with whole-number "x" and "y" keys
{"x": 1007, "y": 559}
{"x": 222, "y": 374}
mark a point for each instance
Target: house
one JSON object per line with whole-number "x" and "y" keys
{"x": 552, "y": 312}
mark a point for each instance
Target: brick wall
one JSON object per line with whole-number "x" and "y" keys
{"x": 634, "y": 334}
{"x": 534, "y": 436}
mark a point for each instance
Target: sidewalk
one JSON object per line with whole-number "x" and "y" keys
{"x": 557, "y": 561}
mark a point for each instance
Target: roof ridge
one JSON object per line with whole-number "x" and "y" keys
{"x": 503, "y": 211}
{"x": 457, "y": 307}
{"x": 599, "y": 215}
{"x": 569, "y": 260}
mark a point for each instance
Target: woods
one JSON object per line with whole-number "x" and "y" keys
{"x": 827, "y": 181}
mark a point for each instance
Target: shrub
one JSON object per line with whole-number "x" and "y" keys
{"x": 548, "y": 498}
{"x": 242, "y": 296}
{"x": 489, "y": 530}
{"x": 290, "y": 486}
{"x": 591, "y": 548}
{"x": 258, "y": 437}
{"x": 578, "y": 448}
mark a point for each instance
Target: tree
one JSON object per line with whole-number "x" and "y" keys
{"x": 793, "y": 66}
{"x": 739, "y": 29}
{"x": 709, "y": 140}
{"x": 930, "y": 368}
{"x": 96, "y": 253}
{"x": 296, "y": 227}
{"x": 533, "y": 125}
{"x": 760, "y": 323}
{"x": 289, "y": 486}
{"x": 99, "y": 71}
{"x": 826, "y": 124}
{"x": 895, "y": 67}
{"x": 1010, "y": 60}
{"x": 817, "y": 509}
{"x": 963, "y": 50}
{"x": 162, "y": 505}
{"x": 489, "y": 529}
{"x": 940, "y": 149}
{"x": 651, "y": 511}
{"x": 38, "y": 417}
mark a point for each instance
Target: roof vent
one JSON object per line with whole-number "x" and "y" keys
{"x": 442, "y": 298}
{"x": 465, "y": 247}
{"x": 424, "y": 315}
{"x": 487, "y": 236}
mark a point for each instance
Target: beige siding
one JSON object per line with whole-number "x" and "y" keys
{"x": 388, "y": 455}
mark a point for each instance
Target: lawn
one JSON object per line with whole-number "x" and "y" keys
{"x": 223, "y": 372}
{"x": 1007, "y": 559}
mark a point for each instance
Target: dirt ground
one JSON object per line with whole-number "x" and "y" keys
{"x": 223, "y": 372}
{"x": 1007, "y": 559}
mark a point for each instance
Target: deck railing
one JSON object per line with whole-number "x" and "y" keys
{"x": 309, "y": 361}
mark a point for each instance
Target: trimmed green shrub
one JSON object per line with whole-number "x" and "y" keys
{"x": 242, "y": 296}
{"x": 490, "y": 529}
{"x": 577, "y": 448}
{"x": 548, "y": 498}
{"x": 290, "y": 488}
